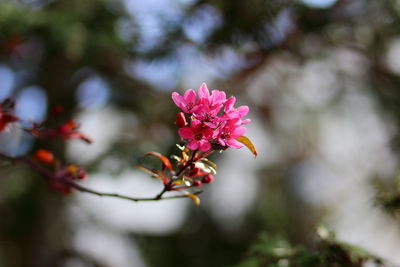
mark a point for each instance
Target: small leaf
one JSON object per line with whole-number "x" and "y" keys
{"x": 177, "y": 182}
{"x": 210, "y": 163}
{"x": 205, "y": 167}
{"x": 152, "y": 172}
{"x": 246, "y": 141}
{"x": 164, "y": 160}
{"x": 195, "y": 199}
{"x": 176, "y": 158}
{"x": 180, "y": 147}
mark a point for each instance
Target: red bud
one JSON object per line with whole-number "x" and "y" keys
{"x": 197, "y": 183}
{"x": 81, "y": 174}
{"x": 207, "y": 179}
{"x": 180, "y": 120}
{"x": 193, "y": 172}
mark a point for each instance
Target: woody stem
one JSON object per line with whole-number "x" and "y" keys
{"x": 48, "y": 175}
{"x": 167, "y": 187}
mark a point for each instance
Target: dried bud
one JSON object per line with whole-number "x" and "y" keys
{"x": 197, "y": 183}
{"x": 207, "y": 179}
{"x": 44, "y": 156}
{"x": 180, "y": 120}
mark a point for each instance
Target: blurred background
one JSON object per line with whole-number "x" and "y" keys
{"x": 321, "y": 79}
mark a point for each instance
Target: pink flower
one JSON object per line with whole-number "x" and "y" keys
{"x": 216, "y": 98}
{"x": 198, "y": 136}
{"x": 209, "y": 105}
{"x": 228, "y": 133}
{"x": 231, "y": 112}
{"x": 207, "y": 125}
{"x": 187, "y": 102}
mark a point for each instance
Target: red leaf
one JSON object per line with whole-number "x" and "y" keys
{"x": 152, "y": 172}
{"x": 155, "y": 173}
{"x": 164, "y": 160}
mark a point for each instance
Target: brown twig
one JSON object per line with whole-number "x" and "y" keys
{"x": 167, "y": 187}
{"x": 48, "y": 175}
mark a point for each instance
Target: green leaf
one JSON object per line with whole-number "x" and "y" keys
{"x": 246, "y": 141}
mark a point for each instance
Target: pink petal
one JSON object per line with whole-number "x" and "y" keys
{"x": 186, "y": 132}
{"x": 233, "y": 123}
{"x": 203, "y": 91}
{"x": 189, "y": 96}
{"x": 221, "y": 142}
{"x": 207, "y": 133}
{"x": 195, "y": 124}
{"x": 204, "y": 145}
{"x": 193, "y": 145}
{"x": 246, "y": 121}
{"x": 217, "y": 97}
{"x": 232, "y": 115}
{"x": 243, "y": 110}
{"x": 177, "y": 99}
{"x": 229, "y": 104}
{"x": 239, "y": 131}
{"x": 201, "y": 108}
{"x": 211, "y": 124}
{"x": 234, "y": 143}
{"x": 215, "y": 109}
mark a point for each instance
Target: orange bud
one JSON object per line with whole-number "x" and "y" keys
{"x": 44, "y": 156}
{"x": 180, "y": 120}
{"x": 72, "y": 169}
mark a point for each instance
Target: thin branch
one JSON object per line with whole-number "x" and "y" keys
{"x": 116, "y": 195}
{"x": 167, "y": 186}
{"x": 49, "y": 176}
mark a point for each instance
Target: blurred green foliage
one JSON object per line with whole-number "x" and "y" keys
{"x": 327, "y": 252}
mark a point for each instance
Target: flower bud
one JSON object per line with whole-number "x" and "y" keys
{"x": 180, "y": 120}
{"x": 72, "y": 169}
{"x": 193, "y": 172}
{"x": 67, "y": 128}
{"x": 44, "y": 156}
{"x": 207, "y": 179}
{"x": 197, "y": 183}
{"x": 81, "y": 174}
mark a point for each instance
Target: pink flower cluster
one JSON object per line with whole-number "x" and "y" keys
{"x": 214, "y": 121}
